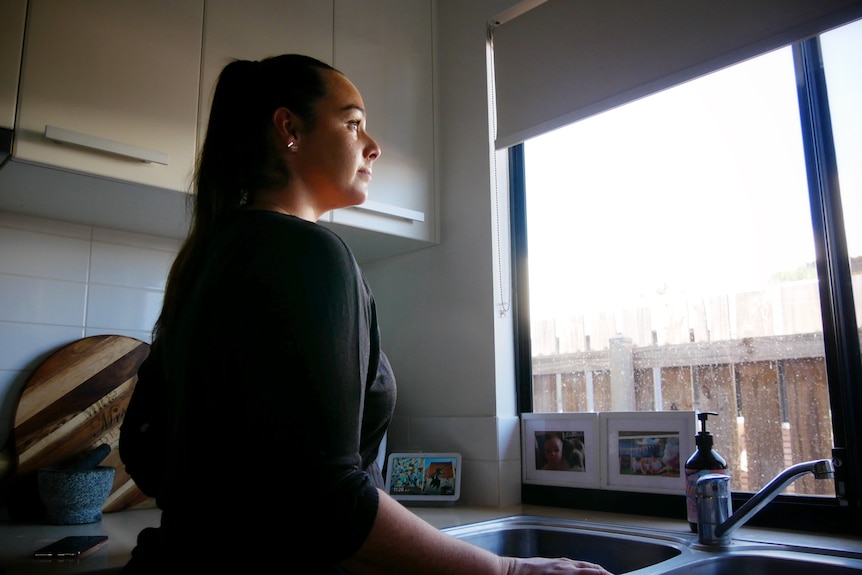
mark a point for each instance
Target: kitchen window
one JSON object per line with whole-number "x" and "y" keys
{"x": 712, "y": 231}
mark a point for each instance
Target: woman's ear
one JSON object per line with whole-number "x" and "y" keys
{"x": 286, "y": 128}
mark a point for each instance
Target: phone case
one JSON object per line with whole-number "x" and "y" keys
{"x": 71, "y": 548}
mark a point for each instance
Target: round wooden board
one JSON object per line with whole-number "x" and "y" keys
{"x": 75, "y": 401}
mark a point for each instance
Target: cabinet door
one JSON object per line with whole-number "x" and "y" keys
{"x": 11, "y": 42}
{"x": 113, "y": 82}
{"x": 256, "y": 30}
{"x": 385, "y": 48}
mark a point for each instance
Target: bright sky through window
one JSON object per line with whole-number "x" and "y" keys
{"x": 699, "y": 189}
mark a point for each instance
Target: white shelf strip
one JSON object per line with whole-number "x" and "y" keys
{"x": 389, "y": 210}
{"x": 65, "y": 136}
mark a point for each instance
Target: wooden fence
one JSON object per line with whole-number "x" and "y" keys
{"x": 755, "y": 358}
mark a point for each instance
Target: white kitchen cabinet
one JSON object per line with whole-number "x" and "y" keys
{"x": 11, "y": 42}
{"x": 111, "y": 88}
{"x": 259, "y": 29}
{"x": 386, "y": 48}
{"x": 122, "y": 80}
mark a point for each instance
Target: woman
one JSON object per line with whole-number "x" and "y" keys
{"x": 258, "y": 415}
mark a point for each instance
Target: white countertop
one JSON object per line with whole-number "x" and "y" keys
{"x": 18, "y": 541}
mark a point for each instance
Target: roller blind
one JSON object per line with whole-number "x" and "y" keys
{"x": 558, "y": 61}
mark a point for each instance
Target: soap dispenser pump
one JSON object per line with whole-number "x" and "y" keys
{"x": 704, "y": 460}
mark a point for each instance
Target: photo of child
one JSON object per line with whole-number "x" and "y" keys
{"x": 560, "y": 451}
{"x": 649, "y": 453}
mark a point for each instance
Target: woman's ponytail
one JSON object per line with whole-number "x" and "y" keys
{"x": 238, "y": 156}
{"x": 234, "y": 146}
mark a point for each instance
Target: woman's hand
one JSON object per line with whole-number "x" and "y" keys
{"x": 562, "y": 566}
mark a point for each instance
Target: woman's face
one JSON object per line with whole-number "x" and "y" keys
{"x": 334, "y": 158}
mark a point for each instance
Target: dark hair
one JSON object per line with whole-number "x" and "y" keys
{"x": 238, "y": 156}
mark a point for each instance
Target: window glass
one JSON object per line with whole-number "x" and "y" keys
{"x": 842, "y": 64}
{"x": 674, "y": 235}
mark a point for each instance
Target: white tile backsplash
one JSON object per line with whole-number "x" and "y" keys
{"x": 480, "y": 483}
{"x": 509, "y": 430}
{"x": 472, "y": 437}
{"x": 110, "y": 265}
{"x": 510, "y": 483}
{"x": 489, "y": 447}
{"x": 24, "y": 345}
{"x": 123, "y": 307}
{"x": 60, "y": 282}
{"x": 137, "y": 240}
{"x": 38, "y": 254}
{"x": 38, "y": 300}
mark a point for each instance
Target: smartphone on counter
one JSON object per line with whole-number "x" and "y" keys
{"x": 71, "y": 548}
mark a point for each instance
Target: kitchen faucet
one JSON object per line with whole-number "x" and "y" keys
{"x": 715, "y": 522}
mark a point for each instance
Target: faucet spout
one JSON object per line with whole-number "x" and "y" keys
{"x": 715, "y": 522}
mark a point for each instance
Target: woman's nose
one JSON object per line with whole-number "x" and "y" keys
{"x": 374, "y": 150}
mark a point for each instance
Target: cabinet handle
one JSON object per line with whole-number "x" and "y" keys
{"x": 65, "y": 136}
{"x": 388, "y": 210}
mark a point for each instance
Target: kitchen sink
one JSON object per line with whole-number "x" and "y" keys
{"x": 769, "y": 563}
{"x": 643, "y": 551}
{"x": 524, "y": 536}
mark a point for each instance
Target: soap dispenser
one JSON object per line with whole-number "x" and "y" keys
{"x": 704, "y": 460}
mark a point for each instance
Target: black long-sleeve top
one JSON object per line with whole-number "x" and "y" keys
{"x": 255, "y": 422}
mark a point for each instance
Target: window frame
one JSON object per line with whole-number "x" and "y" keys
{"x": 840, "y": 514}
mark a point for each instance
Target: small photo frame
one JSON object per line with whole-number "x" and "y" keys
{"x": 646, "y": 451}
{"x": 561, "y": 449}
{"x": 428, "y": 477}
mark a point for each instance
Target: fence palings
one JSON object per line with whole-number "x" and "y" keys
{"x": 770, "y": 392}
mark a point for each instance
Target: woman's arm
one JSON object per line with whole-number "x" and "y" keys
{"x": 401, "y": 542}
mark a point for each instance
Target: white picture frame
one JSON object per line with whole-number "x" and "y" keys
{"x": 575, "y": 434}
{"x": 646, "y": 450}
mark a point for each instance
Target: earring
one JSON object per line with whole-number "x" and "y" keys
{"x": 292, "y": 146}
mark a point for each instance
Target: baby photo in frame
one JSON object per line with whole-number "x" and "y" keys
{"x": 646, "y": 451}
{"x": 424, "y": 477}
{"x": 560, "y": 449}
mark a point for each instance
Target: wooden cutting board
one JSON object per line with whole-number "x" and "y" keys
{"x": 75, "y": 401}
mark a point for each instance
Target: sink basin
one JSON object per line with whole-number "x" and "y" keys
{"x": 769, "y": 563}
{"x": 643, "y": 551}
{"x": 525, "y": 537}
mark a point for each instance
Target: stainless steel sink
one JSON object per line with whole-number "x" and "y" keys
{"x": 524, "y": 536}
{"x": 769, "y": 563}
{"x": 625, "y": 549}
